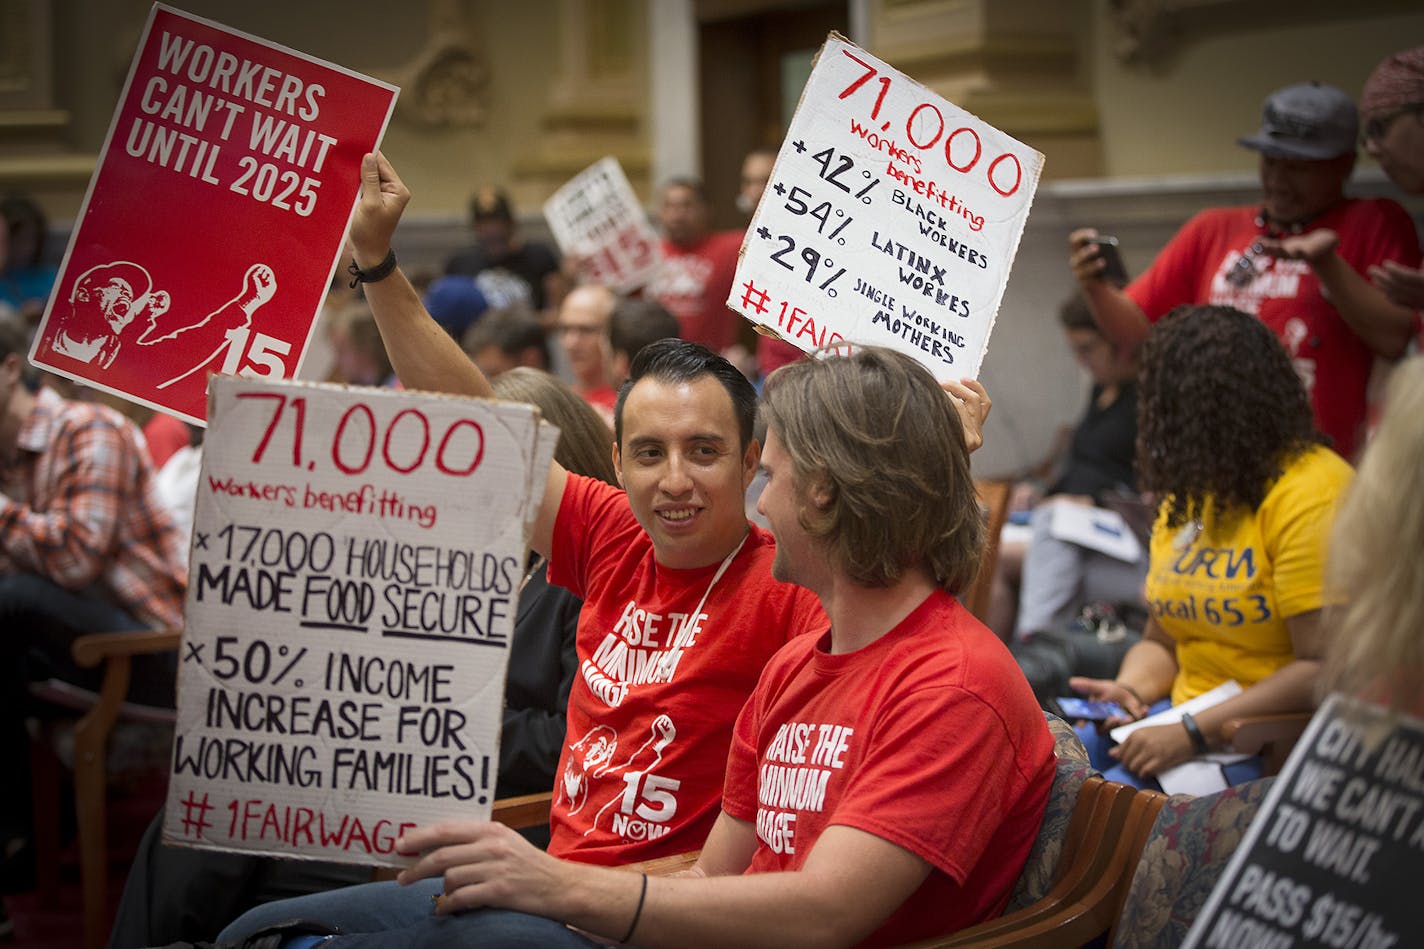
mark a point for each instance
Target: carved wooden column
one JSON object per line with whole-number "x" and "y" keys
{"x": 598, "y": 100}
{"x": 35, "y": 151}
{"x": 1021, "y": 65}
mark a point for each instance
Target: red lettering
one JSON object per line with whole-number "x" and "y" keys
{"x": 332, "y": 839}
{"x": 370, "y": 439}
{"x": 424, "y": 442}
{"x": 445, "y": 442}
{"x": 948, "y": 149}
{"x": 910, "y": 125}
{"x": 1018, "y": 173}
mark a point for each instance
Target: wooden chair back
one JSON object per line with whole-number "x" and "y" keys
{"x": 101, "y": 711}
{"x": 994, "y": 498}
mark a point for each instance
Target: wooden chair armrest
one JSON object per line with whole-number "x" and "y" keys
{"x": 1250, "y": 735}
{"x": 92, "y": 649}
{"x": 665, "y": 866}
{"x": 1086, "y": 913}
{"x": 528, "y": 810}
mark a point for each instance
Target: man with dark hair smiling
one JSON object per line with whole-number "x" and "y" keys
{"x": 681, "y": 613}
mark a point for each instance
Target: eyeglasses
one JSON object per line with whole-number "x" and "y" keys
{"x": 1376, "y": 128}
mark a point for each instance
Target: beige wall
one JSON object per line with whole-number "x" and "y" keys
{"x": 1185, "y": 116}
{"x": 517, "y": 43}
{"x": 1154, "y": 125}
{"x": 1179, "y": 116}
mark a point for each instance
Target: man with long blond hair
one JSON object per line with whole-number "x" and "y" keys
{"x": 886, "y": 779}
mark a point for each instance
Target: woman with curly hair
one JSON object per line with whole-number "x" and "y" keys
{"x": 1247, "y": 489}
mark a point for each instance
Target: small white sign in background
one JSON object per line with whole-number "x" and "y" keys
{"x": 355, "y": 568}
{"x": 597, "y": 217}
{"x": 892, "y": 218}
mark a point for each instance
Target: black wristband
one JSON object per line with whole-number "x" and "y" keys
{"x": 637, "y": 913}
{"x": 1194, "y": 732}
{"x": 379, "y": 272}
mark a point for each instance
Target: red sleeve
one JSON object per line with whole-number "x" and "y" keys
{"x": 1173, "y": 277}
{"x": 586, "y": 502}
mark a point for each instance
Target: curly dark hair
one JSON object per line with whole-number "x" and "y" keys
{"x": 1221, "y": 412}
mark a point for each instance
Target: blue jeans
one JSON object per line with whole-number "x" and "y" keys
{"x": 1098, "y": 744}
{"x": 391, "y": 915}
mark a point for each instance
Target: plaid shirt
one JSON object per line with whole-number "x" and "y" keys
{"x": 81, "y": 511}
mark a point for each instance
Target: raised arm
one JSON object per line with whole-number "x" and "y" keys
{"x": 1116, "y": 314}
{"x": 423, "y": 355}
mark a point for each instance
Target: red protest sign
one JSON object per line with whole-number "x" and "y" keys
{"x": 215, "y": 218}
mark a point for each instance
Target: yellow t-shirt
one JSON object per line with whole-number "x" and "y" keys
{"x": 1224, "y": 595}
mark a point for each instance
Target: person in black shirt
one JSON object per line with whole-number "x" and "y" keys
{"x": 508, "y": 269}
{"x": 1055, "y": 577}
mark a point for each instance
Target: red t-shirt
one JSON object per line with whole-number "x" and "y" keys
{"x": 693, "y": 283}
{"x": 929, "y": 738}
{"x": 1333, "y": 362}
{"x": 660, "y": 682}
{"x": 603, "y": 399}
{"x": 772, "y": 354}
{"x": 164, "y": 435}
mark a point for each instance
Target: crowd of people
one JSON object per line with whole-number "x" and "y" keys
{"x": 1230, "y": 401}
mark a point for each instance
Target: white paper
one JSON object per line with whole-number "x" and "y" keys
{"x": 1095, "y": 528}
{"x": 1173, "y": 715}
{"x": 1203, "y": 775}
{"x": 596, "y": 216}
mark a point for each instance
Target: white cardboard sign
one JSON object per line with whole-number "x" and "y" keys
{"x": 596, "y": 216}
{"x": 356, "y": 561}
{"x": 892, "y": 218}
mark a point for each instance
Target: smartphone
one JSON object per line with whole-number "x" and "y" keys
{"x": 1113, "y": 270}
{"x": 1074, "y": 708}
